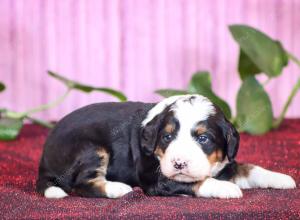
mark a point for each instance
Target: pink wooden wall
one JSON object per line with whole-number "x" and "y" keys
{"x": 136, "y": 46}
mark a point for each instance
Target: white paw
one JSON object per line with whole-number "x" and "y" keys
{"x": 262, "y": 178}
{"x": 116, "y": 189}
{"x": 54, "y": 192}
{"x": 219, "y": 189}
{"x": 281, "y": 181}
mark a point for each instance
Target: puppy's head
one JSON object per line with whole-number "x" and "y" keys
{"x": 189, "y": 136}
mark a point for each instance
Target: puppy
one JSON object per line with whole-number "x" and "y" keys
{"x": 182, "y": 145}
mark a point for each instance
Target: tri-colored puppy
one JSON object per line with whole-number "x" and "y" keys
{"x": 182, "y": 145}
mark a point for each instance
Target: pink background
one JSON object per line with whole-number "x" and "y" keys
{"x": 136, "y": 46}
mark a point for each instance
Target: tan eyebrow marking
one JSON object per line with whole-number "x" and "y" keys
{"x": 169, "y": 128}
{"x": 200, "y": 129}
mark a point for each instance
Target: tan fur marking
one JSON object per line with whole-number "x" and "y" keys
{"x": 103, "y": 154}
{"x": 100, "y": 184}
{"x": 212, "y": 158}
{"x": 169, "y": 128}
{"x": 100, "y": 180}
{"x": 201, "y": 129}
{"x": 219, "y": 155}
{"x": 159, "y": 152}
{"x": 215, "y": 156}
{"x": 243, "y": 170}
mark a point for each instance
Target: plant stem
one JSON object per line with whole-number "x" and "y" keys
{"x": 22, "y": 115}
{"x": 294, "y": 91}
{"x": 12, "y": 114}
{"x": 48, "y": 105}
{"x": 293, "y": 58}
{"x": 40, "y": 122}
{"x": 287, "y": 104}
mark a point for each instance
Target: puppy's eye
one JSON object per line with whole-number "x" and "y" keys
{"x": 202, "y": 139}
{"x": 167, "y": 137}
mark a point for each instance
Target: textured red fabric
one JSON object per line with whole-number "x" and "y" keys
{"x": 278, "y": 150}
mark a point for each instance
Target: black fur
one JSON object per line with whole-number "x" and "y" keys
{"x": 230, "y": 134}
{"x": 70, "y": 148}
{"x": 228, "y": 172}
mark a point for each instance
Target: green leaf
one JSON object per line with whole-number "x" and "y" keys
{"x": 10, "y": 128}
{"x": 246, "y": 66}
{"x": 201, "y": 84}
{"x": 2, "y": 110}
{"x": 86, "y": 88}
{"x": 267, "y": 54}
{"x": 2, "y": 87}
{"x": 170, "y": 92}
{"x": 254, "y": 109}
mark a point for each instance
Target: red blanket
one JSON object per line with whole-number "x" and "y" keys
{"x": 278, "y": 150}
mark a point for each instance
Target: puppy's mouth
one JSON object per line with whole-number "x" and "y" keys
{"x": 183, "y": 177}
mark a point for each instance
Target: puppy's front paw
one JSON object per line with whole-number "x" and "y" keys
{"x": 280, "y": 181}
{"x": 262, "y": 178}
{"x": 116, "y": 189}
{"x": 219, "y": 189}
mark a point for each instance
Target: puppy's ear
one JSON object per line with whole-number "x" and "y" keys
{"x": 232, "y": 138}
{"x": 149, "y": 134}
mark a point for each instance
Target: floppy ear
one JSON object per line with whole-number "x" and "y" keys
{"x": 232, "y": 138}
{"x": 149, "y": 134}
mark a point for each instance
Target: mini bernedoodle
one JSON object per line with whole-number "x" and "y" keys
{"x": 181, "y": 145}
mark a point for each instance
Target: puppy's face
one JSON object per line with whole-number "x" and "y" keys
{"x": 191, "y": 137}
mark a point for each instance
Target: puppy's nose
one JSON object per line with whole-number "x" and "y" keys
{"x": 179, "y": 165}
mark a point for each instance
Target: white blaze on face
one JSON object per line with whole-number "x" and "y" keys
{"x": 184, "y": 148}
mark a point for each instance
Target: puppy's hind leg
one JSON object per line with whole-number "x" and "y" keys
{"x": 91, "y": 179}
{"x": 49, "y": 186}
{"x": 252, "y": 176}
